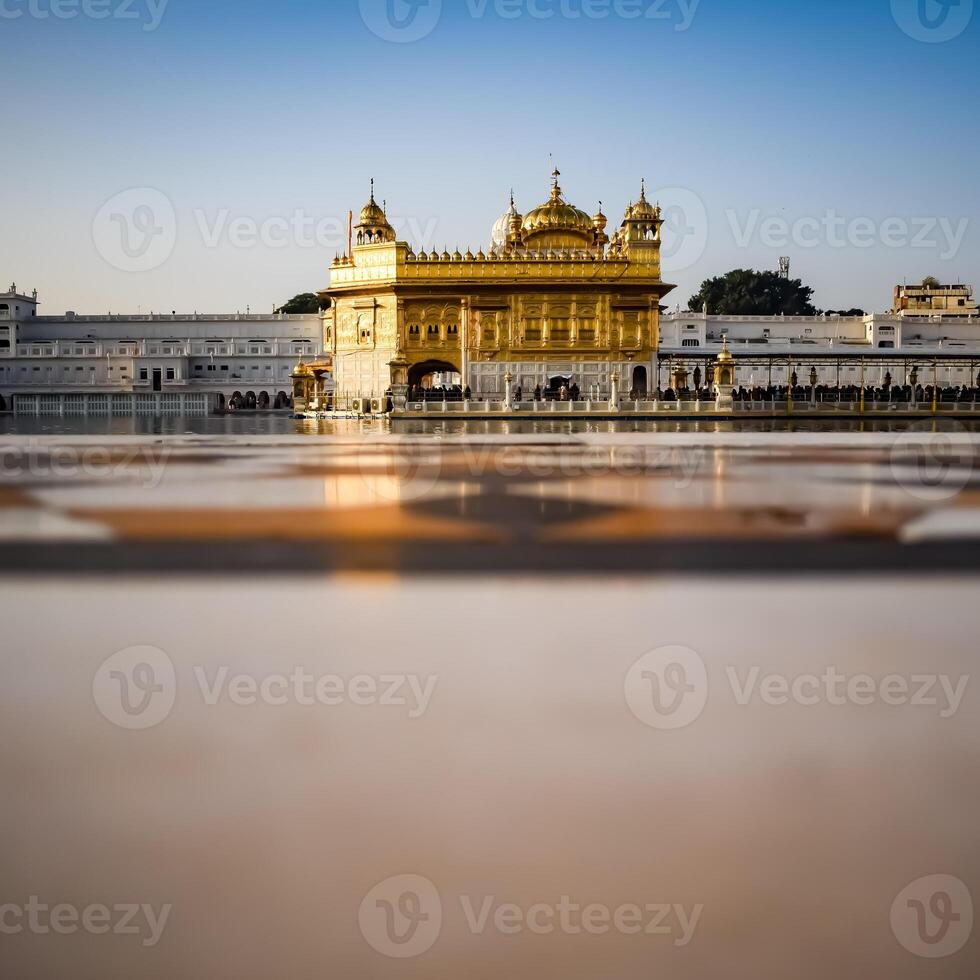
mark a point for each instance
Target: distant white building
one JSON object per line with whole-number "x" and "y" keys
{"x": 147, "y": 365}
{"x": 838, "y": 348}
{"x": 200, "y": 363}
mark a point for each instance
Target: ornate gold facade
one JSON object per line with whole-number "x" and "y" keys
{"x": 553, "y": 296}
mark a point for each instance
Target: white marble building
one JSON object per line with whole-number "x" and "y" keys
{"x": 773, "y": 348}
{"x": 147, "y": 364}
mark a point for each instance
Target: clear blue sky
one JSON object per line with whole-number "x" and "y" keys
{"x": 764, "y": 111}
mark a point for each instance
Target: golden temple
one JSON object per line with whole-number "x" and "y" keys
{"x": 553, "y": 300}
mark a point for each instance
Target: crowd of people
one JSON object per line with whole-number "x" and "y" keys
{"x": 826, "y": 393}
{"x": 440, "y": 393}
{"x": 957, "y": 394}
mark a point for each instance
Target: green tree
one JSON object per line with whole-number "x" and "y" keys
{"x": 303, "y": 303}
{"x": 852, "y": 312}
{"x": 746, "y": 292}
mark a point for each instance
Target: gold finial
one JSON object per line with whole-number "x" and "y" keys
{"x": 555, "y": 187}
{"x": 372, "y": 190}
{"x": 643, "y": 188}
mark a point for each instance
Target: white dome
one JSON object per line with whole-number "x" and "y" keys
{"x": 501, "y": 228}
{"x": 498, "y": 237}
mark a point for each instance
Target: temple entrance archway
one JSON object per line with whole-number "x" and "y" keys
{"x": 434, "y": 374}
{"x": 641, "y": 380}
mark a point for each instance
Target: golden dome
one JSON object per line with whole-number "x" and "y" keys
{"x": 643, "y": 209}
{"x": 302, "y": 371}
{"x": 371, "y": 214}
{"x": 373, "y": 224}
{"x": 561, "y": 223}
{"x": 724, "y": 355}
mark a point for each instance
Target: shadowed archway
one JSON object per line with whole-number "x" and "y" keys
{"x": 417, "y": 373}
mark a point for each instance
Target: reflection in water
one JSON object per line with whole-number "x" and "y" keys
{"x": 270, "y": 424}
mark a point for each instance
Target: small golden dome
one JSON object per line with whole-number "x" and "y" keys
{"x": 643, "y": 209}
{"x": 302, "y": 370}
{"x": 371, "y": 214}
{"x": 373, "y": 226}
{"x": 724, "y": 355}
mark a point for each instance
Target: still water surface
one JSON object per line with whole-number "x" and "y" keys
{"x": 268, "y": 424}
